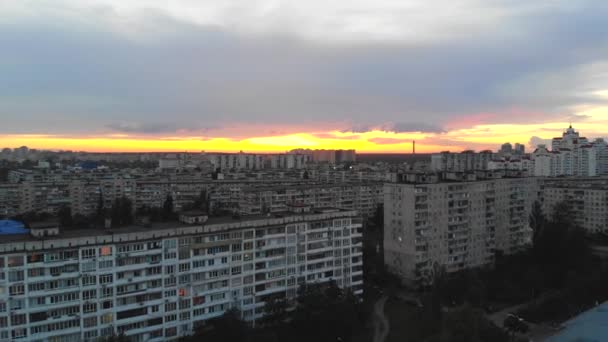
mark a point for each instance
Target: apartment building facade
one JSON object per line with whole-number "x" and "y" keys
{"x": 587, "y": 199}
{"x": 161, "y": 282}
{"x": 83, "y": 196}
{"x": 454, "y": 224}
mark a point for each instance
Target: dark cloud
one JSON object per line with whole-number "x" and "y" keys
{"x": 68, "y": 75}
{"x": 416, "y": 127}
{"x": 388, "y": 141}
{"x": 337, "y": 137}
{"x": 141, "y": 127}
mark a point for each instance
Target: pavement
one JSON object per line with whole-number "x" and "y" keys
{"x": 380, "y": 322}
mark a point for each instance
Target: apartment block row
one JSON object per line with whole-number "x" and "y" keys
{"x": 454, "y": 222}
{"x": 587, "y": 199}
{"x": 161, "y": 282}
{"x": 570, "y": 155}
{"x": 245, "y": 197}
{"x": 365, "y": 198}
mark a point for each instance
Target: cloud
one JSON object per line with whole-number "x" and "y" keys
{"x": 335, "y": 136}
{"x": 70, "y": 67}
{"x": 388, "y": 141}
{"x": 131, "y": 127}
{"x": 398, "y": 127}
{"x": 415, "y": 127}
{"x": 535, "y": 141}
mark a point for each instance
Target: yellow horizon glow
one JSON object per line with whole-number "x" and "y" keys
{"x": 478, "y": 137}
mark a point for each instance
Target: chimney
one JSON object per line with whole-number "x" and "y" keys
{"x": 413, "y": 146}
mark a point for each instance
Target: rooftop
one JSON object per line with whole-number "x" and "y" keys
{"x": 588, "y": 326}
{"x": 165, "y": 226}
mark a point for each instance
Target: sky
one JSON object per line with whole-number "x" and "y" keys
{"x": 267, "y": 75}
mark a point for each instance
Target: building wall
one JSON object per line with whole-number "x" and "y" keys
{"x": 157, "y": 285}
{"x": 456, "y": 225}
{"x": 586, "y": 198}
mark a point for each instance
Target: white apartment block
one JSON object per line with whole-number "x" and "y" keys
{"x": 460, "y": 162}
{"x": 160, "y": 282}
{"x": 571, "y": 155}
{"x": 456, "y": 224}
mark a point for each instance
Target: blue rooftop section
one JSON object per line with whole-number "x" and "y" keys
{"x": 590, "y": 326}
{"x": 8, "y": 227}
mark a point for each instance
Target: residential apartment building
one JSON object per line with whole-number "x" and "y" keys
{"x": 455, "y": 221}
{"x": 571, "y": 155}
{"x": 363, "y": 197}
{"x": 159, "y": 283}
{"x": 83, "y": 196}
{"x": 587, "y": 198}
{"x": 460, "y": 162}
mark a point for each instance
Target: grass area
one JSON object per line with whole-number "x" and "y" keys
{"x": 406, "y": 323}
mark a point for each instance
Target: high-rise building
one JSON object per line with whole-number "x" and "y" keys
{"x": 460, "y": 162}
{"x": 455, "y": 221}
{"x": 587, "y": 200}
{"x": 159, "y": 283}
{"x": 571, "y": 155}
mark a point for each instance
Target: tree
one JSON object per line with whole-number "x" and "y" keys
{"x": 65, "y": 216}
{"x": 100, "y": 212}
{"x": 227, "y": 328}
{"x": 200, "y": 203}
{"x": 122, "y": 212}
{"x": 324, "y": 313}
{"x": 515, "y": 325}
{"x": 275, "y": 312}
{"x": 168, "y": 207}
{"x": 305, "y": 175}
{"x": 537, "y": 221}
{"x": 114, "y": 338}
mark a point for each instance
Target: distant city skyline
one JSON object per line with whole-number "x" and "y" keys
{"x": 267, "y": 76}
{"x": 376, "y": 141}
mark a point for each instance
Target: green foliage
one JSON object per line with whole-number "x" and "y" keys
{"x": 114, "y": 338}
{"x": 200, "y": 203}
{"x": 168, "y": 208}
{"x": 65, "y": 216}
{"x": 322, "y": 313}
{"x": 515, "y": 324}
{"x": 100, "y": 210}
{"x": 122, "y": 212}
{"x": 228, "y": 327}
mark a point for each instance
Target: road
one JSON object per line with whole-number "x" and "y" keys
{"x": 380, "y": 323}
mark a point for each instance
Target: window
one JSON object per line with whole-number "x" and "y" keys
{"x": 88, "y": 266}
{"x": 15, "y": 275}
{"x": 105, "y": 278}
{"x": 18, "y": 289}
{"x": 89, "y": 307}
{"x": 15, "y": 261}
{"x": 105, "y": 251}
{"x": 89, "y": 280}
{"x": 18, "y": 319}
{"x": 89, "y": 322}
{"x": 19, "y": 333}
{"x": 88, "y": 253}
{"x": 107, "y": 318}
{"x": 89, "y": 294}
{"x": 106, "y": 264}
{"x": 107, "y": 292}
